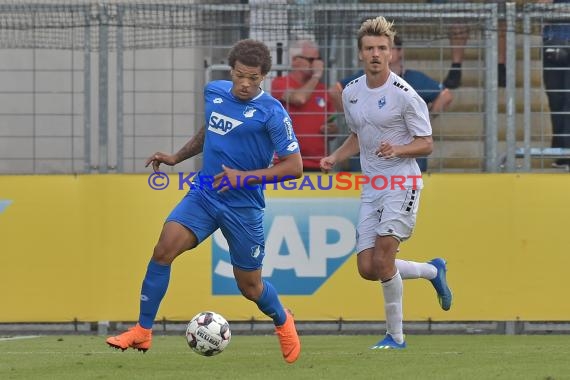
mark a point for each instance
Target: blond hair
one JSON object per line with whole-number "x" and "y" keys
{"x": 378, "y": 26}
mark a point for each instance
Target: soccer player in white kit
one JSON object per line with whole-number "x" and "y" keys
{"x": 390, "y": 126}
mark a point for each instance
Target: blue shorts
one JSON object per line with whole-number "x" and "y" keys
{"x": 241, "y": 226}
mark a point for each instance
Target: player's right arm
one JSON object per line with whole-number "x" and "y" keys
{"x": 193, "y": 147}
{"x": 350, "y": 146}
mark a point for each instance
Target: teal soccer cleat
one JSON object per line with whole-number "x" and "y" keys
{"x": 439, "y": 282}
{"x": 388, "y": 343}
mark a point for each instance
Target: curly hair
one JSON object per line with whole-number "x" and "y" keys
{"x": 378, "y": 26}
{"x": 251, "y": 53}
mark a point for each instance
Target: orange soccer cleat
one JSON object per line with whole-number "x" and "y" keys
{"x": 136, "y": 337}
{"x": 288, "y": 339}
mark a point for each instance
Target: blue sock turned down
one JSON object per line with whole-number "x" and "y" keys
{"x": 153, "y": 290}
{"x": 270, "y": 305}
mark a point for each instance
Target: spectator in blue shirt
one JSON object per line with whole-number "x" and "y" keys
{"x": 436, "y": 96}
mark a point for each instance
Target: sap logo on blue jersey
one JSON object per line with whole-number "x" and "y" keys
{"x": 4, "y": 205}
{"x": 222, "y": 124}
{"x": 304, "y": 246}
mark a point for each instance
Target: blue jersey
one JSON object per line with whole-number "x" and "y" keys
{"x": 243, "y": 135}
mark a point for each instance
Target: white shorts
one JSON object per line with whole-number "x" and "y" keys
{"x": 393, "y": 214}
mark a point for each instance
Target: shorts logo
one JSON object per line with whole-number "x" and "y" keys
{"x": 304, "y": 246}
{"x": 255, "y": 251}
{"x": 222, "y": 124}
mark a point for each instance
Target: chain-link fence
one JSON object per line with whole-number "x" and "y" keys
{"x": 99, "y": 86}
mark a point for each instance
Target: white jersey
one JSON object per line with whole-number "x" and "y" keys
{"x": 393, "y": 113}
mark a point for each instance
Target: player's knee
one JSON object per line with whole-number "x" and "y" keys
{"x": 369, "y": 273}
{"x": 163, "y": 255}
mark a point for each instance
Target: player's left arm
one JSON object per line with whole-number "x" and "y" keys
{"x": 288, "y": 168}
{"x": 416, "y": 118}
{"x": 420, "y": 146}
{"x": 434, "y": 93}
{"x": 290, "y": 165}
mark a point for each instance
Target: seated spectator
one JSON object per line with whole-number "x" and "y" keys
{"x": 437, "y": 97}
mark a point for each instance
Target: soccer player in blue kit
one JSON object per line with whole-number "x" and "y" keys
{"x": 244, "y": 127}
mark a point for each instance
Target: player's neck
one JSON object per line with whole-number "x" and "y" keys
{"x": 375, "y": 80}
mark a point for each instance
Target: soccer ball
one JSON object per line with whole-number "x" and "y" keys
{"x": 208, "y": 333}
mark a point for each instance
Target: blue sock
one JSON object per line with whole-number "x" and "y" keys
{"x": 270, "y": 305}
{"x": 153, "y": 290}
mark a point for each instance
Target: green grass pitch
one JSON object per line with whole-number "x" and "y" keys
{"x": 457, "y": 357}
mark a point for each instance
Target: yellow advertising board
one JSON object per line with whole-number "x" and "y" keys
{"x": 76, "y": 247}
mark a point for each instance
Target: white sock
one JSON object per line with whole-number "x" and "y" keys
{"x": 393, "y": 289}
{"x": 411, "y": 269}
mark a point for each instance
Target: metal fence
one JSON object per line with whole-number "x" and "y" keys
{"x": 99, "y": 86}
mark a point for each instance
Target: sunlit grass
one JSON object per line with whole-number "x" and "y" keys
{"x": 454, "y": 357}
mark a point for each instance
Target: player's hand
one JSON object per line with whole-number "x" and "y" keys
{"x": 232, "y": 181}
{"x": 327, "y": 163}
{"x": 160, "y": 158}
{"x": 387, "y": 150}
